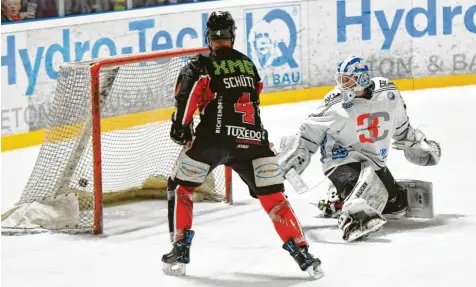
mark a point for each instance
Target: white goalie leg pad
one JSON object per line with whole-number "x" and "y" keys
{"x": 190, "y": 170}
{"x": 293, "y": 153}
{"x": 362, "y": 209}
{"x": 370, "y": 188}
{"x": 420, "y": 198}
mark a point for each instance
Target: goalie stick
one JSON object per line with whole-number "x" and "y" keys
{"x": 296, "y": 181}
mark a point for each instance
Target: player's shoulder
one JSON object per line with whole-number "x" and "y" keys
{"x": 329, "y": 106}
{"x": 197, "y": 61}
{"x": 333, "y": 97}
{"x": 383, "y": 88}
{"x": 240, "y": 56}
{"x": 383, "y": 84}
{"x": 195, "y": 65}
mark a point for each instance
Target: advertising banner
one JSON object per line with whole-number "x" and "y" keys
{"x": 31, "y": 59}
{"x": 400, "y": 39}
{"x": 295, "y": 44}
{"x": 274, "y": 43}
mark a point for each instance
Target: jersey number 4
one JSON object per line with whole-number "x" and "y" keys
{"x": 245, "y": 107}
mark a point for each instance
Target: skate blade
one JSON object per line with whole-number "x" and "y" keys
{"x": 315, "y": 271}
{"x": 365, "y": 233}
{"x": 174, "y": 269}
{"x": 395, "y": 216}
{"x": 332, "y": 216}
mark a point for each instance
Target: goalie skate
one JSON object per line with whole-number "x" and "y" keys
{"x": 359, "y": 230}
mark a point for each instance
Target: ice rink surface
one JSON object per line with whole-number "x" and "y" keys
{"x": 237, "y": 245}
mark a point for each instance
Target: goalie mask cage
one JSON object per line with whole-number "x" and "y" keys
{"x": 107, "y": 141}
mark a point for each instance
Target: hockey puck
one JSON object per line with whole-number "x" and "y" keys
{"x": 83, "y": 182}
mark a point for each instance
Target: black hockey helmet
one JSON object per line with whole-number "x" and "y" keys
{"x": 220, "y": 26}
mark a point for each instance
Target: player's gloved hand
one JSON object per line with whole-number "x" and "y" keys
{"x": 419, "y": 150}
{"x": 181, "y": 134}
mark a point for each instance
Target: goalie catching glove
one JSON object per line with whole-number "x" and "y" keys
{"x": 418, "y": 150}
{"x": 181, "y": 134}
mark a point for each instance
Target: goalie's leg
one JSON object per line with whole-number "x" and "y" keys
{"x": 397, "y": 203}
{"x": 345, "y": 177}
{"x": 361, "y": 212}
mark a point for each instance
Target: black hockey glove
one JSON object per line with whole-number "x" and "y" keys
{"x": 181, "y": 134}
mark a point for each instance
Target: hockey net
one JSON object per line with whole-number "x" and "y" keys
{"x": 107, "y": 142}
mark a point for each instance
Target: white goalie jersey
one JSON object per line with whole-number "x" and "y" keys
{"x": 360, "y": 131}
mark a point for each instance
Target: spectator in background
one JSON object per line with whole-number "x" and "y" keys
{"x": 46, "y": 8}
{"x": 72, "y": 7}
{"x": 16, "y": 10}
{"x": 119, "y": 5}
{"x": 145, "y": 3}
{"x": 11, "y": 11}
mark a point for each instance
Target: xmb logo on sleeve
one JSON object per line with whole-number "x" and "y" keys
{"x": 274, "y": 43}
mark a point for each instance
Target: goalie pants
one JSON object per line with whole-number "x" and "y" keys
{"x": 271, "y": 197}
{"x": 344, "y": 178}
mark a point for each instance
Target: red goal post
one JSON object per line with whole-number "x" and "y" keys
{"x": 115, "y": 143}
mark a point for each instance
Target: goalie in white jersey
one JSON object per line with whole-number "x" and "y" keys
{"x": 353, "y": 128}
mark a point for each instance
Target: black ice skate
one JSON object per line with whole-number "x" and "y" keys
{"x": 175, "y": 260}
{"x": 396, "y": 207}
{"x": 304, "y": 259}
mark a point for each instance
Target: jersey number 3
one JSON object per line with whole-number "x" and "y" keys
{"x": 245, "y": 107}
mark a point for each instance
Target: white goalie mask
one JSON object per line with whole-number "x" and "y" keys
{"x": 353, "y": 76}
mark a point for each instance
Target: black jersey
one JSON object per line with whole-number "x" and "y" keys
{"x": 225, "y": 86}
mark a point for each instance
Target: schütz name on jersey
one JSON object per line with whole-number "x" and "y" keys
{"x": 230, "y": 68}
{"x": 239, "y": 81}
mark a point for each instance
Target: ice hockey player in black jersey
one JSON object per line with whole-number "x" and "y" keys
{"x": 225, "y": 86}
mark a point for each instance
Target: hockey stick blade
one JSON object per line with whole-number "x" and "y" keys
{"x": 296, "y": 181}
